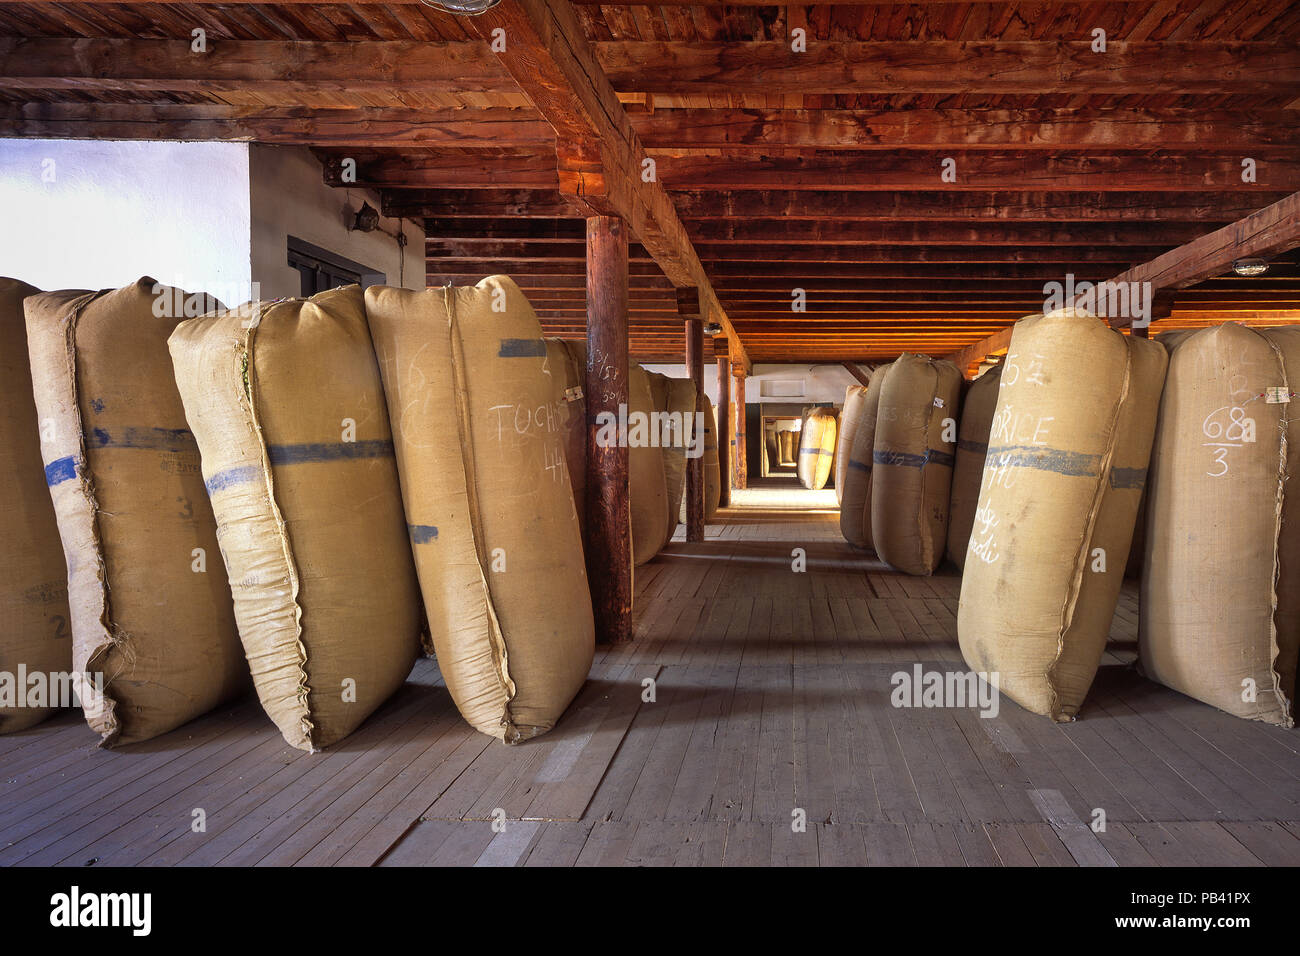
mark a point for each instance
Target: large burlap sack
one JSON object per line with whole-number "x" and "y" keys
{"x": 1065, "y": 468}
{"x": 153, "y": 628}
{"x": 1220, "y": 609}
{"x": 566, "y": 364}
{"x": 491, "y": 509}
{"x": 977, "y": 410}
{"x": 817, "y": 448}
{"x": 850, "y": 415}
{"x": 298, "y": 459}
{"x": 912, "y": 462}
{"x": 675, "y": 397}
{"x": 712, "y": 466}
{"x": 855, "y": 506}
{"x": 647, "y": 474}
{"x": 35, "y": 634}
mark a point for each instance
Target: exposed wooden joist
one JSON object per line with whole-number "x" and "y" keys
{"x": 59, "y": 63}
{"x": 858, "y": 171}
{"x": 1264, "y": 233}
{"x": 497, "y": 127}
{"x": 798, "y": 256}
{"x": 952, "y": 66}
{"x": 600, "y": 154}
{"x": 471, "y": 231}
{"x": 966, "y": 207}
{"x": 676, "y": 68}
{"x": 1267, "y": 232}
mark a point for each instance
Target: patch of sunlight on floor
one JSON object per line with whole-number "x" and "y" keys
{"x": 784, "y": 498}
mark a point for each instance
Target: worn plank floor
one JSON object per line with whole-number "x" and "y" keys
{"x": 748, "y": 723}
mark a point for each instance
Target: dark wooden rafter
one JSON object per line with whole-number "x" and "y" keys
{"x": 853, "y": 171}
{"x": 600, "y": 157}
{"x": 668, "y": 67}
{"x": 1267, "y": 232}
{"x": 1034, "y": 130}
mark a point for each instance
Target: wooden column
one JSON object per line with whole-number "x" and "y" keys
{"x": 738, "y": 428}
{"x": 724, "y": 431}
{"x": 609, "y": 517}
{"x": 695, "y": 466}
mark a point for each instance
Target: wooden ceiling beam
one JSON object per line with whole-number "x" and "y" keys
{"x": 859, "y": 171}
{"x": 1267, "y": 232}
{"x": 965, "y": 207}
{"x": 304, "y": 66}
{"x": 801, "y": 257}
{"x": 770, "y": 67}
{"x": 1224, "y": 131}
{"x": 600, "y": 155}
{"x": 287, "y": 125}
{"x": 469, "y": 232}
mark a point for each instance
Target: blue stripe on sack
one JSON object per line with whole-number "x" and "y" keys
{"x": 932, "y": 456}
{"x": 422, "y": 533}
{"x": 936, "y": 457}
{"x": 978, "y": 447}
{"x": 334, "y": 451}
{"x": 61, "y": 470}
{"x": 1074, "y": 464}
{"x": 1128, "y": 477}
{"x": 859, "y": 465}
{"x": 149, "y": 439}
{"x": 815, "y": 451}
{"x": 231, "y": 477}
{"x": 522, "y": 348}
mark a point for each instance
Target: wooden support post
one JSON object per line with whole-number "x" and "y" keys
{"x": 609, "y": 517}
{"x": 723, "y": 431}
{"x": 738, "y": 429}
{"x": 695, "y": 466}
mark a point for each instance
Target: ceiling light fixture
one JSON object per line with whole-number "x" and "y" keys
{"x": 470, "y": 8}
{"x": 1250, "y": 267}
{"x": 712, "y": 328}
{"x": 367, "y": 219}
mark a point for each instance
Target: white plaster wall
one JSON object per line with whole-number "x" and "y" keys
{"x": 821, "y": 383}
{"x": 288, "y": 196}
{"x": 85, "y": 214}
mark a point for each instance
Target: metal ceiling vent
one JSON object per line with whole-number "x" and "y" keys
{"x": 468, "y": 7}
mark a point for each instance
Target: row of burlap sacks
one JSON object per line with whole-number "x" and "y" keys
{"x": 1086, "y": 424}
{"x": 270, "y": 491}
{"x": 894, "y": 471}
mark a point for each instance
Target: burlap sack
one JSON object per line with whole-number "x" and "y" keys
{"x": 566, "y": 364}
{"x": 850, "y": 415}
{"x": 151, "y": 611}
{"x": 298, "y": 459}
{"x": 912, "y": 462}
{"x": 1220, "y": 608}
{"x": 492, "y": 516}
{"x": 1066, "y": 463}
{"x": 35, "y": 633}
{"x": 817, "y": 448}
{"x": 712, "y": 466}
{"x": 675, "y": 397}
{"x": 855, "y": 506}
{"x": 977, "y": 410}
{"x": 647, "y": 475}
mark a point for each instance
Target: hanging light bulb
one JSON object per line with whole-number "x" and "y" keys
{"x": 467, "y": 7}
